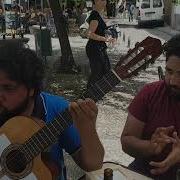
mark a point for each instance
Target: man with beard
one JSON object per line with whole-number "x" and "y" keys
{"x": 152, "y": 128}
{"x": 21, "y": 76}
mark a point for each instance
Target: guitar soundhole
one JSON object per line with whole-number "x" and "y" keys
{"x": 16, "y": 161}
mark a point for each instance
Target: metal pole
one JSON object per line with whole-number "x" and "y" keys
{"x": 28, "y": 4}
{"x": 42, "y": 6}
{"x": 35, "y": 4}
{"x": 48, "y": 3}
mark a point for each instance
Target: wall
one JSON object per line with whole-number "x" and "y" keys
{"x": 175, "y": 16}
{"x": 168, "y": 10}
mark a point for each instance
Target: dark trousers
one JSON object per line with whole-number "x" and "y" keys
{"x": 99, "y": 62}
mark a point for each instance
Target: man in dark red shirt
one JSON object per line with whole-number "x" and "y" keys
{"x": 151, "y": 131}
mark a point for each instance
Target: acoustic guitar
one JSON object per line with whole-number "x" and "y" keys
{"x": 21, "y": 146}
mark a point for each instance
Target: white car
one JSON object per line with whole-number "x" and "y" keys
{"x": 150, "y": 11}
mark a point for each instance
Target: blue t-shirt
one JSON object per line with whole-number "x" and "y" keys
{"x": 47, "y": 107}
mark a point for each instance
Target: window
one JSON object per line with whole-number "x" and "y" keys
{"x": 145, "y": 4}
{"x": 157, "y": 3}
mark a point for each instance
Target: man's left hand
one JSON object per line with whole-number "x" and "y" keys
{"x": 91, "y": 154}
{"x": 172, "y": 158}
{"x": 84, "y": 113}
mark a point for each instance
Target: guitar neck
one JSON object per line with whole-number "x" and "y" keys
{"x": 47, "y": 135}
{"x": 102, "y": 87}
{"x": 50, "y": 133}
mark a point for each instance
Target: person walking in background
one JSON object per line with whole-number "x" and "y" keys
{"x": 131, "y": 9}
{"x": 96, "y": 45}
{"x": 131, "y": 13}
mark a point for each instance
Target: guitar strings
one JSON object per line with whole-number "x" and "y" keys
{"x": 14, "y": 155}
{"x": 66, "y": 114}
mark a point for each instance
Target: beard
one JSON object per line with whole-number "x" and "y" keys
{"x": 174, "y": 91}
{"x": 5, "y": 114}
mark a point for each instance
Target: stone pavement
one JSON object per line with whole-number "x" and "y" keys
{"x": 168, "y": 30}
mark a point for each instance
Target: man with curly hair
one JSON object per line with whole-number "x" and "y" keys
{"x": 21, "y": 77}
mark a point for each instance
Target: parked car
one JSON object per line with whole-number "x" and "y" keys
{"x": 150, "y": 11}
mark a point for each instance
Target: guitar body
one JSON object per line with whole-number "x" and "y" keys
{"x": 16, "y": 131}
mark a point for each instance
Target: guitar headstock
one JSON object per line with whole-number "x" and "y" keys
{"x": 138, "y": 58}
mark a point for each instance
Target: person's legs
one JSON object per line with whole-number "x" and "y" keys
{"x": 129, "y": 16}
{"x": 106, "y": 62}
{"x": 98, "y": 64}
{"x": 96, "y": 70}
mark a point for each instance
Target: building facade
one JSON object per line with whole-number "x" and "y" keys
{"x": 172, "y": 13}
{"x": 175, "y": 15}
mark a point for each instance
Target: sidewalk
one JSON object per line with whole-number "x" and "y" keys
{"x": 168, "y": 30}
{"x": 120, "y": 21}
{"x": 125, "y": 22}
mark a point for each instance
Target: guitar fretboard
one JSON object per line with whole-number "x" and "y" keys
{"x": 50, "y": 133}
{"x": 101, "y": 87}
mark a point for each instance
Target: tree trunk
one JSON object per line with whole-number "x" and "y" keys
{"x": 67, "y": 63}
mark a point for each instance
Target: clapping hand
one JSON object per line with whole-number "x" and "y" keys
{"x": 160, "y": 139}
{"x": 172, "y": 158}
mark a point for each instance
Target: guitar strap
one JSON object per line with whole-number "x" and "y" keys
{"x": 39, "y": 111}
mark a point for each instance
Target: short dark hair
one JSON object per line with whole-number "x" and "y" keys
{"x": 22, "y": 65}
{"x": 172, "y": 47}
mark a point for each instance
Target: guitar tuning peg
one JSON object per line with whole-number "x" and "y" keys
{"x": 137, "y": 43}
{"x": 152, "y": 62}
{"x": 140, "y": 49}
{"x": 135, "y": 73}
{"x": 148, "y": 57}
{"x": 145, "y": 66}
{"x": 129, "y": 50}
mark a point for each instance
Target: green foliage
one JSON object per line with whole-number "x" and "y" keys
{"x": 80, "y": 2}
{"x": 71, "y": 3}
